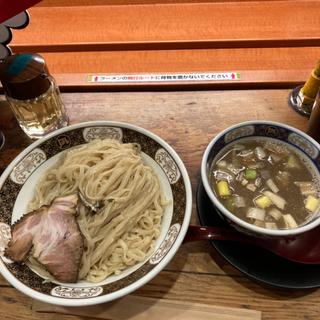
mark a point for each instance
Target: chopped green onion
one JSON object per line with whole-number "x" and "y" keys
{"x": 250, "y": 174}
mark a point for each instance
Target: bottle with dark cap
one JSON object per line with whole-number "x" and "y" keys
{"x": 32, "y": 94}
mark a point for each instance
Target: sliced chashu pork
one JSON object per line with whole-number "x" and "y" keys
{"x": 52, "y": 235}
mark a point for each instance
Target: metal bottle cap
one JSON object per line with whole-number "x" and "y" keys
{"x": 24, "y": 76}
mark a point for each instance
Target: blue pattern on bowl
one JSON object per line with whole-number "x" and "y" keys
{"x": 270, "y": 131}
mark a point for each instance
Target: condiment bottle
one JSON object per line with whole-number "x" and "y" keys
{"x": 302, "y": 97}
{"x": 32, "y": 94}
{"x": 314, "y": 121}
{"x": 309, "y": 91}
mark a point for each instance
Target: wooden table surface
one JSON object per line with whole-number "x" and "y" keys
{"x": 188, "y": 121}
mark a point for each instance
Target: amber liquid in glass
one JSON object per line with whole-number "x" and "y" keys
{"x": 40, "y": 115}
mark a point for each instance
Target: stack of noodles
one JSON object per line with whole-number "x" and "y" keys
{"x": 123, "y": 231}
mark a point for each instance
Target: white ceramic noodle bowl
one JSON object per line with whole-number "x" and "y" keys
{"x": 165, "y": 158}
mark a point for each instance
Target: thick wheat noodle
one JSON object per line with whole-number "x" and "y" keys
{"x": 123, "y": 232}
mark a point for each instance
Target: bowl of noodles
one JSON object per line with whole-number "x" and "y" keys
{"x": 133, "y": 207}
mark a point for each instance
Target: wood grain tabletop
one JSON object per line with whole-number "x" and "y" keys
{"x": 188, "y": 121}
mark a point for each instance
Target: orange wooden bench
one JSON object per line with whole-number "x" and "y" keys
{"x": 270, "y": 43}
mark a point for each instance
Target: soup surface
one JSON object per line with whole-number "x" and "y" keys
{"x": 266, "y": 182}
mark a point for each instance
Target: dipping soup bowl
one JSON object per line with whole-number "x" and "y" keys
{"x": 266, "y": 129}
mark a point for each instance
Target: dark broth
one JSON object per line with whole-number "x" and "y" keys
{"x": 247, "y": 167}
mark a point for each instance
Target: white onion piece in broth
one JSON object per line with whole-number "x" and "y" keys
{"x": 238, "y": 147}
{"x": 289, "y": 221}
{"x": 272, "y": 186}
{"x": 274, "y": 158}
{"x": 245, "y": 153}
{"x": 260, "y": 153}
{"x": 283, "y": 177}
{"x": 275, "y": 214}
{"x": 271, "y": 225}
{"x": 259, "y": 223}
{"x": 275, "y": 147}
{"x": 256, "y": 213}
{"x": 251, "y": 187}
{"x": 244, "y": 182}
{"x": 239, "y": 201}
{"x": 258, "y": 182}
{"x": 222, "y": 164}
{"x": 307, "y": 188}
{"x": 276, "y": 199}
{"x": 234, "y": 169}
{"x": 257, "y": 165}
{"x": 240, "y": 176}
{"x": 222, "y": 175}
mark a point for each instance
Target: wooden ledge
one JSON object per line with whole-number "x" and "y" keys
{"x": 236, "y": 24}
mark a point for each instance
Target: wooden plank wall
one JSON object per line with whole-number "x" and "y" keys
{"x": 271, "y": 44}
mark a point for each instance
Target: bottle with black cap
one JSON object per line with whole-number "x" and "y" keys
{"x": 32, "y": 94}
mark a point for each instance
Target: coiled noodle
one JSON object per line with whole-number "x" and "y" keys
{"x": 123, "y": 231}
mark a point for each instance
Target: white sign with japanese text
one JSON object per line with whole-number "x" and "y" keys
{"x": 168, "y": 77}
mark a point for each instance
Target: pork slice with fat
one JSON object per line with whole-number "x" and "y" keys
{"x": 52, "y": 235}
